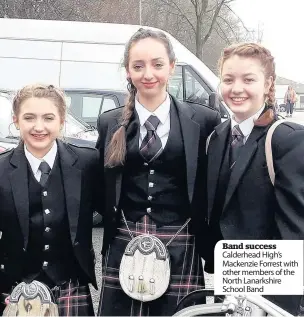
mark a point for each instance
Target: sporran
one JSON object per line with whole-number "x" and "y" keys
{"x": 34, "y": 299}
{"x": 144, "y": 272}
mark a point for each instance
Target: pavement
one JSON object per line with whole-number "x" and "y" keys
{"x": 297, "y": 117}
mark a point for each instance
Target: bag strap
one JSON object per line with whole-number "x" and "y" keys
{"x": 268, "y": 150}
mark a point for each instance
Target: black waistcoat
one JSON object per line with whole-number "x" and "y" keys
{"x": 49, "y": 256}
{"x": 158, "y": 188}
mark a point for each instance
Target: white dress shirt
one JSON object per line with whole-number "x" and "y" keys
{"x": 35, "y": 162}
{"x": 162, "y": 113}
{"x": 247, "y": 125}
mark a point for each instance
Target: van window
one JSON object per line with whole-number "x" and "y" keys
{"x": 195, "y": 92}
{"x": 91, "y": 106}
{"x": 108, "y": 104}
{"x": 175, "y": 87}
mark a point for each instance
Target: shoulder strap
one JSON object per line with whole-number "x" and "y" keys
{"x": 268, "y": 150}
{"x": 208, "y": 141}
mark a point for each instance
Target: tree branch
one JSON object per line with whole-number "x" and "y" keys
{"x": 228, "y": 7}
{"x": 217, "y": 10}
{"x": 228, "y": 24}
{"x": 225, "y": 38}
{"x": 179, "y": 10}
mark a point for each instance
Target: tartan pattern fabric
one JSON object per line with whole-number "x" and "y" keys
{"x": 151, "y": 145}
{"x": 186, "y": 271}
{"x": 74, "y": 299}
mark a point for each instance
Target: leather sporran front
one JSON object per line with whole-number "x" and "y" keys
{"x": 144, "y": 272}
{"x": 34, "y": 299}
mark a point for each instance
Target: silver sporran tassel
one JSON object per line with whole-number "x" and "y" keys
{"x": 141, "y": 286}
{"x": 152, "y": 286}
{"x": 131, "y": 283}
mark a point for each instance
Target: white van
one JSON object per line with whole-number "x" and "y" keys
{"x": 85, "y": 55}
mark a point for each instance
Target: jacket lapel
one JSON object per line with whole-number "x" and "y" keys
{"x": 72, "y": 186}
{"x": 216, "y": 152}
{"x": 19, "y": 184}
{"x": 191, "y": 134}
{"x": 246, "y": 154}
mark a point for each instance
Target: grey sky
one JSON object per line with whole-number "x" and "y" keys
{"x": 283, "y": 25}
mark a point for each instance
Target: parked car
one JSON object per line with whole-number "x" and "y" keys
{"x": 75, "y": 130}
{"x": 87, "y": 105}
{"x": 7, "y": 144}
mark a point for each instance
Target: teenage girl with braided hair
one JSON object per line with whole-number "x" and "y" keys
{"x": 153, "y": 151}
{"x": 242, "y": 202}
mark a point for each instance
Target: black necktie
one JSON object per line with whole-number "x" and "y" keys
{"x": 45, "y": 171}
{"x": 151, "y": 145}
{"x": 237, "y": 143}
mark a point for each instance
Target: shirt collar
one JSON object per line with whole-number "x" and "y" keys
{"x": 35, "y": 162}
{"x": 247, "y": 125}
{"x": 162, "y": 112}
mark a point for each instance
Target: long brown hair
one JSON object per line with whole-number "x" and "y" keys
{"x": 261, "y": 53}
{"x": 116, "y": 150}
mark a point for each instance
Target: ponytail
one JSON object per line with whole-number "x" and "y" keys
{"x": 269, "y": 115}
{"x": 116, "y": 150}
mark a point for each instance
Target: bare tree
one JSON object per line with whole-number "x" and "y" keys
{"x": 200, "y": 15}
{"x": 227, "y": 27}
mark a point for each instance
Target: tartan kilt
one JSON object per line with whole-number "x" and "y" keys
{"x": 74, "y": 299}
{"x": 186, "y": 271}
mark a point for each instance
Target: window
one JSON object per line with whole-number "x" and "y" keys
{"x": 175, "y": 87}
{"x": 91, "y": 106}
{"x": 108, "y": 104}
{"x": 195, "y": 92}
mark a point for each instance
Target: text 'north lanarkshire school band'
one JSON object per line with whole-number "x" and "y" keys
{"x": 166, "y": 194}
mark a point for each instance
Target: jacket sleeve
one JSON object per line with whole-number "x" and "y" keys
{"x": 288, "y": 149}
